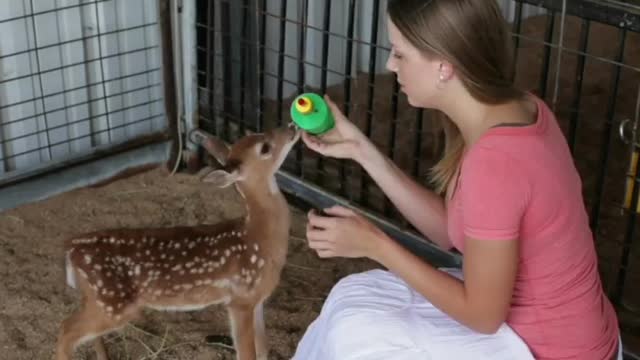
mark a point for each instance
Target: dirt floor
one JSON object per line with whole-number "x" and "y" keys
{"x": 35, "y": 298}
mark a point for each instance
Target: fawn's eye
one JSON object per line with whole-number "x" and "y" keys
{"x": 265, "y": 149}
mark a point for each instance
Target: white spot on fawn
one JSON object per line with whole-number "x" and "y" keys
{"x": 253, "y": 258}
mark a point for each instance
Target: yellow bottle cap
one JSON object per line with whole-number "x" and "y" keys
{"x": 304, "y": 105}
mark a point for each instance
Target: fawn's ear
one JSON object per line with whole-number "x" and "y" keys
{"x": 217, "y": 148}
{"x": 222, "y": 178}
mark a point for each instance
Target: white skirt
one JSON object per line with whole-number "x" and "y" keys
{"x": 376, "y": 315}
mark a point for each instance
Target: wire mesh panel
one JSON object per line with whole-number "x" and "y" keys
{"x": 582, "y": 57}
{"x": 75, "y": 76}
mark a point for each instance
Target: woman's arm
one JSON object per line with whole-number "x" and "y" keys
{"x": 422, "y": 207}
{"x": 494, "y": 199}
{"x": 482, "y": 301}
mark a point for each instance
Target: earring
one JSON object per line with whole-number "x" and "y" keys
{"x": 441, "y": 81}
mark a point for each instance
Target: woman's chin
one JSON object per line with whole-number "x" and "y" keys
{"x": 411, "y": 101}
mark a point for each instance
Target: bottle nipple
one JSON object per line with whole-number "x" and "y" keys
{"x": 304, "y": 105}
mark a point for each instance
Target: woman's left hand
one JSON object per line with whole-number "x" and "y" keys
{"x": 342, "y": 234}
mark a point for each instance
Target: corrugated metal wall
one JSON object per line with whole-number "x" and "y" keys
{"x": 76, "y": 76}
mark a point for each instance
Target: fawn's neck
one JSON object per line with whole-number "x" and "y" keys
{"x": 267, "y": 210}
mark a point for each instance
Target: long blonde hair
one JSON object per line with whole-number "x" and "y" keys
{"x": 473, "y": 36}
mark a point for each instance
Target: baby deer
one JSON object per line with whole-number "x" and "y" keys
{"x": 236, "y": 263}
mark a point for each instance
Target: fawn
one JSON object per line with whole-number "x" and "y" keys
{"x": 236, "y": 263}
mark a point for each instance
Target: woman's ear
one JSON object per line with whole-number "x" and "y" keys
{"x": 445, "y": 71}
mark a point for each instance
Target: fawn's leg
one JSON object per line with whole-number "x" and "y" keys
{"x": 88, "y": 322}
{"x": 262, "y": 348}
{"x": 242, "y": 331}
{"x": 101, "y": 351}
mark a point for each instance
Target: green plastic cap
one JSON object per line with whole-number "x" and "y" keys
{"x": 312, "y": 114}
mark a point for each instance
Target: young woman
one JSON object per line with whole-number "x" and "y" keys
{"x": 506, "y": 194}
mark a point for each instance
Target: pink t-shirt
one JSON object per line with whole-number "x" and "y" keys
{"x": 521, "y": 182}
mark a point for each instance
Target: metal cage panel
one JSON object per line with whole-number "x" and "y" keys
{"x": 76, "y": 77}
{"x": 583, "y": 57}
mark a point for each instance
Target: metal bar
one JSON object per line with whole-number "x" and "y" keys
{"x": 84, "y": 38}
{"x": 225, "y": 23}
{"x": 319, "y": 198}
{"x": 520, "y": 36}
{"x": 630, "y": 232}
{"x": 418, "y": 144}
{"x": 120, "y": 66}
{"x": 148, "y": 63}
{"x": 44, "y": 108}
{"x": 302, "y": 34}
{"x": 4, "y": 146}
{"x": 104, "y": 86}
{"x": 48, "y": 129}
{"x": 632, "y": 217}
{"x": 87, "y": 86}
{"x": 261, "y": 66}
{"x": 547, "y": 54}
{"x": 86, "y": 62}
{"x": 67, "y": 107}
{"x": 62, "y": 8}
{"x": 87, "y": 76}
{"x": 149, "y": 118}
{"x": 26, "y": 4}
{"x": 311, "y": 27}
{"x": 326, "y": 27}
{"x": 364, "y": 184}
{"x": 611, "y": 12}
{"x": 516, "y": 29}
{"x": 392, "y": 137}
{"x": 168, "y": 78}
{"x": 606, "y": 136}
{"x": 324, "y": 72}
{"x": 210, "y": 60}
{"x": 291, "y": 57}
{"x": 575, "y": 104}
{"x": 281, "y": 48}
{"x": 230, "y": 99}
{"x": 108, "y": 150}
{"x": 628, "y": 355}
{"x": 244, "y": 50}
{"x": 346, "y": 107}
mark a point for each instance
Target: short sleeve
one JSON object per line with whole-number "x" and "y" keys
{"x": 494, "y": 195}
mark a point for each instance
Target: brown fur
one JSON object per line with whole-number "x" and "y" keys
{"x": 237, "y": 262}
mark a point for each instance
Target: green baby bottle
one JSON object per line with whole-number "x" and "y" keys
{"x": 311, "y": 113}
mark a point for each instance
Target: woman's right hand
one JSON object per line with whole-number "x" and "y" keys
{"x": 344, "y": 141}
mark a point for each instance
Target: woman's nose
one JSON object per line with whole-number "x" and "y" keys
{"x": 391, "y": 64}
